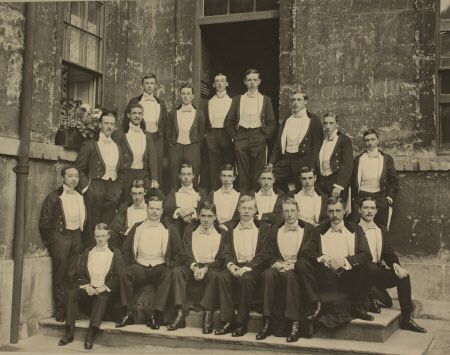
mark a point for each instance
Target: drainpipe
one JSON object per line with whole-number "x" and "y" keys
{"x": 22, "y": 168}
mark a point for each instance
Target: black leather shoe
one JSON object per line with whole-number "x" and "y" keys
{"x": 179, "y": 322}
{"x": 226, "y": 328}
{"x": 68, "y": 337}
{"x": 153, "y": 321}
{"x": 240, "y": 331}
{"x": 373, "y": 306}
{"x": 410, "y": 324}
{"x": 359, "y": 313}
{"x": 127, "y": 320}
{"x": 60, "y": 319}
{"x": 207, "y": 322}
{"x": 265, "y": 331}
{"x": 315, "y": 311}
{"x": 294, "y": 334}
{"x": 89, "y": 341}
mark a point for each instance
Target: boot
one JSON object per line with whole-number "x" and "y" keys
{"x": 153, "y": 320}
{"x": 128, "y": 319}
{"x": 265, "y": 331}
{"x": 295, "y": 332}
{"x": 207, "y": 322}
{"x": 68, "y": 337}
{"x": 90, "y": 336}
{"x": 179, "y": 322}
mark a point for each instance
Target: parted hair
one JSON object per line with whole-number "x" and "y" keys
{"x": 138, "y": 183}
{"x": 102, "y": 227}
{"x": 149, "y": 76}
{"x": 267, "y": 169}
{"x": 305, "y": 170}
{"x": 206, "y": 205}
{"x": 126, "y": 119}
{"x": 331, "y": 114}
{"x": 228, "y": 167}
{"x": 252, "y": 71}
{"x": 246, "y": 198}
{"x": 299, "y": 89}
{"x": 291, "y": 201}
{"x": 370, "y": 131}
{"x": 367, "y": 198}
{"x": 188, "y": 86}
{"x": 67, "y": 167}
{"x": 185, "y": 165}
{"x": 155, "y": 199}
{"x": 333, "y": 200}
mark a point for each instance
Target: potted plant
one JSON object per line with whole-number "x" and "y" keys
{"x": 78, "y": 123}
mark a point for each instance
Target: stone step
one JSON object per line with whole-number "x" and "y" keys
{"x": 137, "y": 335}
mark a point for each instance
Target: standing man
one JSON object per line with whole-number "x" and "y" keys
{"x": 245, "y": 261}
{"x": 374, "y": 175}
{"x": 185, "y": 132}
{"x": 155, "y": 117}
{"x": 394, "y": 275}
{"x": 280, "y": 285}
{"x": 99, "y": 165}
{"x": 149, "y": 252}
{"x": 335, "y": 160}
{"x": 299, "y": 139}
{"x": 337, "y": 254}
{"x": 311, "y": 201}
{"x": 63, "y": 217}
{"x": 220, "y": 147}
{"x": 250, "y": 122}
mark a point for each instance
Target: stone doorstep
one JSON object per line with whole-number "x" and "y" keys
{"x": 400, "y": 343}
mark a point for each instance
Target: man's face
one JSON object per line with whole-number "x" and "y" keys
{"x": 220, "y": 83}
{"x": 247, "y": 210}
{"x": 149, "y": 85}
{"x": 329, "y": 125}
{"x": 266, "y": 180}
{"x": 298, "y": 102}
{"x": 135, "y": 115}
{"x": 227, "y": 178}
{"x": 371, "y": 141}
{"x": 252, "y": 81}
{"x": 107, "y": 125}
{"x": 137, "y": 195}
{"x": 186, "y": 96}
{"x": 154, "y": 210}
{"x": 335, "y": 213}
{"x": 308, "y": 180}
{"x": 290, "y": 213}
{"x": 186, "y": 176}
{"x": 207, "y": 218}
{"x": 368, "y": 210}
{"x": 71, "y": 178}
{"x": 101, "y": 237}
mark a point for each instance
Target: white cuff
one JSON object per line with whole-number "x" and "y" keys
{"x": 193, "y": 265}
{"x": 230, "y": 264}
{"x": 339, "y": 187}
{"x": 84, "y": 286}
{"x": 347, "y": 265}
{"x": 107, "y": 288}
{"x": 390, "y": 199}
{"x": 127, "y": 231}
{"x": 176, "y": 213}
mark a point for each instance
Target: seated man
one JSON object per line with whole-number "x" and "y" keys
{"x": 269, "y": 199}
{"x": 336, "y": 256}
{"x": 149, "y": 252}
{"x": 201, "y": 265}
{"x": 181, "y": 204}
{"x": 311, "y": 201}
{"x": 281, "y": 288}
{"x": 127, "y": 215}
{"x": 245, "y": 260}
{"x": 95, "y": 281}
{"x": 393, "y": 275}
{"x": 226, "y": 198}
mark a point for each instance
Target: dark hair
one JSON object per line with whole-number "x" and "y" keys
{"x": 126, "y": 119}
{"x": 299, "y": 89}
{"x": 267, "y": 169}
{"x": 185, "y": 165}
{"x": 102, "y": 227}
{"x": 155, "y": 199}
{"x": 331, "y": 114}
{"x": 370, "y": 131}
{"x": 252, "y": 71}
{"x": 367, "y": 198}
{"x": 289, "y": 200}
{"x": 188, "y": 86}
{"x": 138, "y": 183}
{"x": 333, "y": 200}
{"x": 108, "y": 112}
{"x": 228, "y": 167}
{"x": 306, "y": 169}
{"x": 67, "y": 167}
{"x": 149, "y": 76}
{"x": 206, "y": 205}
{"x": 219, "y": 74}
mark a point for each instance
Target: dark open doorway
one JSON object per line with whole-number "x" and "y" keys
{"x": 232, "y": 48}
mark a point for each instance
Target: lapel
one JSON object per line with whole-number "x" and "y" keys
{"x": 382, "y": 168}
{"x": 100, "y": 154}
{"x": 238, "y": 110}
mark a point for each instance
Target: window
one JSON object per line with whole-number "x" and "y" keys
{"x": 443, "y": 59}
{"x": 83, "y": 51}
{"x": 225, "y": 7}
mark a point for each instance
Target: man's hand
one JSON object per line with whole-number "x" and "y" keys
{"x": 325, "y": 259}
{"x": 243, "y": 270}
{"x": 280, "y": 266}
{"x": 154, "y": 184}
{"x": 233, "y": 269}
{"x": 336, "y": 192}
{"x": 400, "y": 271}
{"x": 99, "y": 290}
{"x": 90, "y": 290}
{"x": 187, "y": 219}
{"x": 337, "y": 263}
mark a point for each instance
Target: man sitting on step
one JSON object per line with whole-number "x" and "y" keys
{"x": 282, "y": 291}
{"x": 385, "y": 269}
{"x": 96, "y": 281}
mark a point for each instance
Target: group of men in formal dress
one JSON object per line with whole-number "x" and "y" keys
{"x": 283, "y": 235}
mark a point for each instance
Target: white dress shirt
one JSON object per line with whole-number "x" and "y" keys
{"x": 250, "y": 110}
{"x": 370, "y": 171}
{"x": 110, "y": 154}
{"x": 374, "y": 239}
{"x": 226, "y": 202}
{"x": 289, "y": 242}
{"x": 138, "y": 142}
{"x": 310, "y": 205}
{"x": 325, "y": 154}
{"x": 338, "y": 242}
{"x": 99, "y": 263}
{"x": 245, "y": 240}
{"x": 136, "y": 214}
{"x": 150, "y": 243}
{"x": 265, "y": 203}
{"x": 294, "y": 131}
{"x": 152, "y": 110}
{"x": 218, "y": 108}
{"x": 186, "y": 197}
{"x": 74, "y": 208}
{"x": 185, "y": 119}
{"x": 205, "y": 244}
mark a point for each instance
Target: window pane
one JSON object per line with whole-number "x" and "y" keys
{"x": 445, "y": 123}
{"x": 77, "y": 13}
{"x": 215, "y": 7}
{"x": 92, "y": 52}
{"x": 266, "y": 5}
{"x": 93, "y": 24}
{"x": 74, "y": 45}
{"x": 445, "y": 49}
{"x": 445, "y": 9}
{"x": 237, "y": 6}
{"x": 444, "y": 77}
